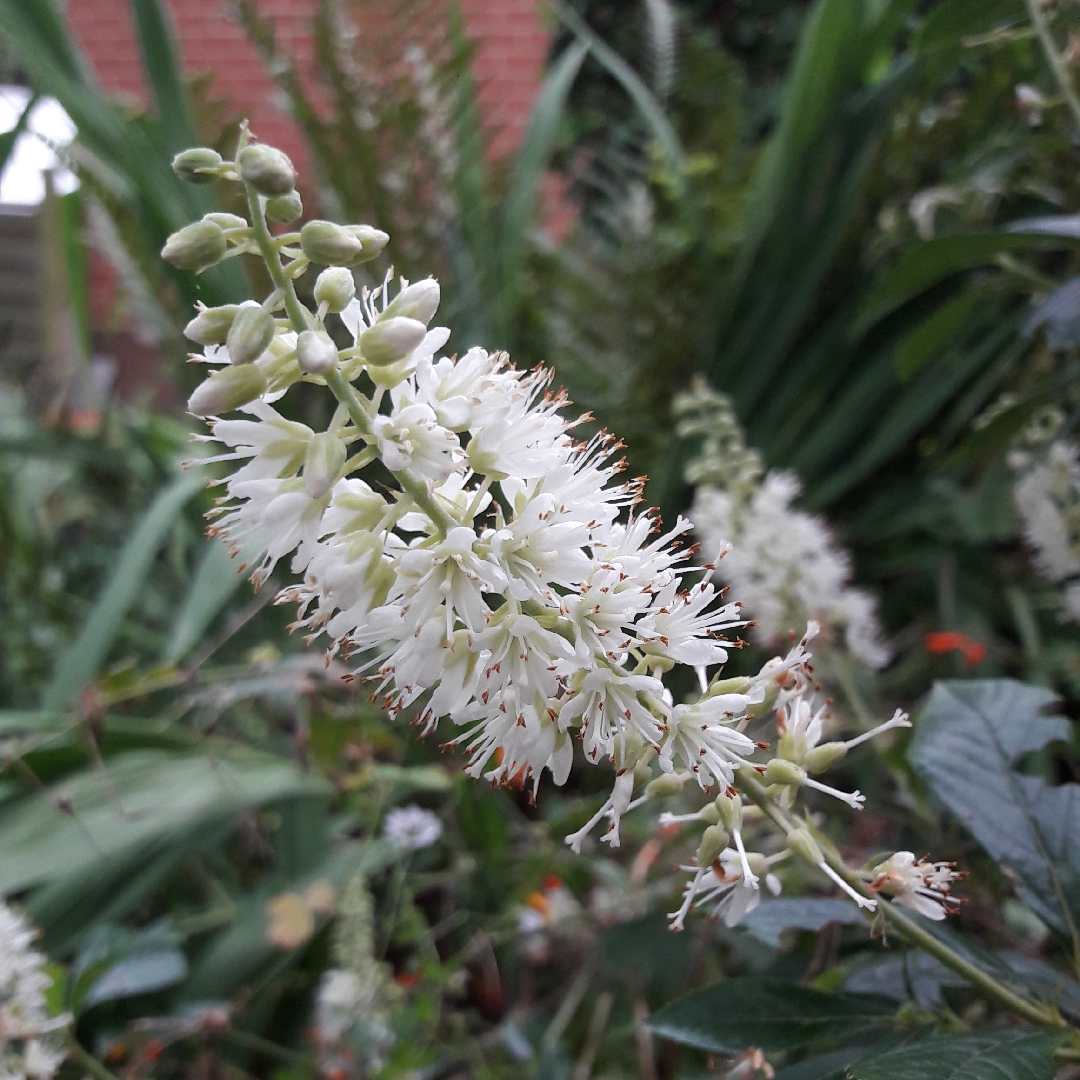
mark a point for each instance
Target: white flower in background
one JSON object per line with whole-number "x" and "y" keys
{"x": 780, "y": 562}
{"x": 352, "y": 1023}
{"x": 412, "y": 827}
{"x": 920, "y": 885}
{"x": 725, "y": 889}
{"x": 1047, "y": 497}
{"x": 27, "y": 1043}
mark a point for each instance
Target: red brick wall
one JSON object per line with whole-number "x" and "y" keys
{"x": 511, "y": 49}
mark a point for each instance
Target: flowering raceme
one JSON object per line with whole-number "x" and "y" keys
{"x": 493, "y": 571}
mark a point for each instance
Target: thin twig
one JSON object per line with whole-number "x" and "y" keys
{"x": 1057, "y": 62}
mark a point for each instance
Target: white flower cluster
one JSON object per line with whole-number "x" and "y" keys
{"x": 352, "y": 1028}
{"x": 782, "y": 563}
{"x": 923, "y": 886}
{"x": 477, "y": 563}
{"x": 27, "y": 1045}
{"x": 1047, "y": 498}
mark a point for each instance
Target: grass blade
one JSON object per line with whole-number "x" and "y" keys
{"x": 80, "y": 664}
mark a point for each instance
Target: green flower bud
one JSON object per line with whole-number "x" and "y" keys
{"x": 227, "y": 389}
{"x": 335, "y": 287}
{"x": 390, "y": 340}
{"x": 803, "y": 844}
{"x": 211, "y": 326}
{"x": 729, "y": 811}
{"x": 713, "y": 841}
{"x": 266, "y": 169}
{"x": 785, "y": 773}
{"x": 226, "y": 221}
{"x": 316, "y": 352}
{"x": 365, "y": 507}
{"x": 738, "y": 685}
{"x": 372, "y": 240}
{"x": 325, "y": 242}
{"x": 196, "y": 247}
{"x": 419, "y": 301}
{"x": 323, "y": 463}
{"x": 188, "y": 163}
{"x": 284, "y": 208}
{"x": 663, "y": 787}
{"x": 757, "y": 862}
{"x": 250, "y": 334}
{"x": 772, "y": 692}
{"x": 825, "y": 756}
{"x": 709, "y": 814}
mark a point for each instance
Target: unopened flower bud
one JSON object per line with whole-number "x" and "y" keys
{"x": 226, "y": 221}
{"x": 366, "y": 509}
{"x": 785, "y": 773}
{"x": 196, "y": 247}
{"x": 250, "y": 334}
{"x": 325, "y": 242}
{"x": 663, "y": 787}
{"x": 323, "y": 462}
{"x": 739, "y": 685}
{"x": 189, "y": 163}
{"x": 713, "y": 841}
{"x": 284, "y": 208}
{"x": 211, "y": 326}
{"x": 227, "y": 389}
{"x": 316, "y": 352}
{"x": 825, "y": 756}
{"x": 372, "y": 240}
{"x": 729, "y": 811}
{"x": 390, "y": 340}
{"x": 763, "y": 708}
{"x": 419, "y": 301}
{"x": 759, "y": 865}
{"x": 266, "y": 169}
{"x": 335, "y": 287}
{"x": 709, "y": 814}
{"x": 803, "y": 844}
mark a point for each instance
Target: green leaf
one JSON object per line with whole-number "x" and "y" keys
{"x": 216, "y": 579}
{"x": 933, "y": 334}
{"x": 931, "y": 262}
{"x": 651, "y": 110}
{"x": 117, "y": 962}
{"x": 968, "y": 738}
{"x": 1006, "y": 1054}
{"x": 164, "y": 73}
{"x": 773, "y": 1015}
{"x": 8, "y": 139}
{"x": 101, "y": 821}
{"x": 82, "y": 661}
{"x": 770, "y": 919}
{"x": 530, "y": 165}
{"x": 821, "y": 1066}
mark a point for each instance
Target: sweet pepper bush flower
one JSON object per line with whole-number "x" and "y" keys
{"x": 494, "y": 574}
{"x": 28, "y": 1045}
{"x": 923, "y": 886}
{"x": 782, "y": 563}
{"x": 1047, "y": 497}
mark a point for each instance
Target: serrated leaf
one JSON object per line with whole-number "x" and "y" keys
{"x": 968, "y": 738}
{"x": 1007, "y": 1054}
{"x": 773, "y": 1015}
{"x": 769, "y": 920}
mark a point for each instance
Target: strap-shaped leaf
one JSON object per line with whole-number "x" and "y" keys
{"x": 969, "y": 736}
{"x": 729, "y": 1016}
{"x": 80, "y": 664}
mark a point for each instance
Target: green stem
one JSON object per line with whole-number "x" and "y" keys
{"x": 269, "y": 252}
{"x": 1056, "y": 60}
{"x": 87, "y": 1060}
{"x": 414, "y": 487}
{"x": 250, "y": 1041}
{"x": 907, "y": 927}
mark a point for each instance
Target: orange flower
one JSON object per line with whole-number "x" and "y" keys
{"x": 943, "y": 641}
